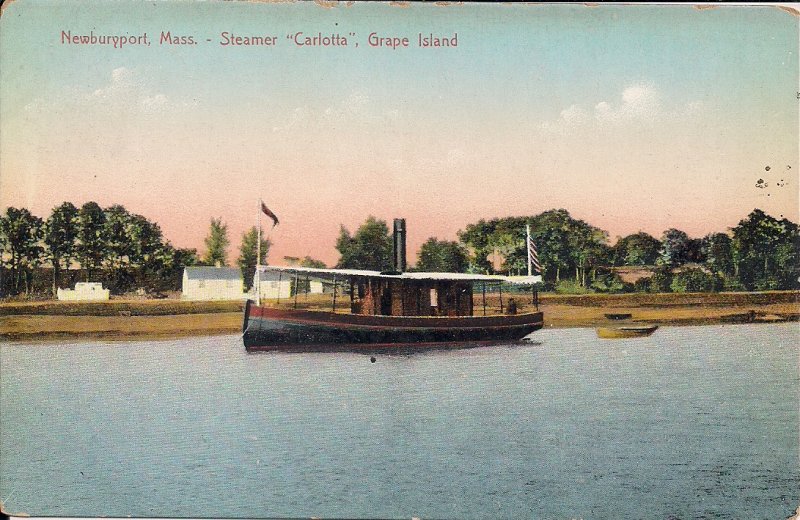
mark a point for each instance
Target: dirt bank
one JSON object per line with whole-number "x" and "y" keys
{"x": 173, "y": 318}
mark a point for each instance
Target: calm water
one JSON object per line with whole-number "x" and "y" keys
{"x": 693, "y": 422}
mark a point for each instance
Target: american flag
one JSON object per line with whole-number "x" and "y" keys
{"x": 533, "y": 256}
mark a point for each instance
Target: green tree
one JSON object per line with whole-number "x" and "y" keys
{"x": 307, "y": 261}
{"x": 119, "y": 248}
{"x": 477, "y": 238}
{"x": 442, "y": 256}
{"x": 369, "y": 248}
{"x": 636, "y": 249}
{"x": 718, "y": 252}
{"x": 90, "y": 248}
{"x": 217, "y": 243}
{"x": 766, "y": 252}
{"x": 674, "y": 248}
{"x": 695, "y": 280}
{"x": 60, "y": 234}
{"x": 21, "y": 233}
{"x": 564, "y": 245}
{"x": 248, "y": 251}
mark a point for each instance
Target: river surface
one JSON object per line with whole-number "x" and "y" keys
{"x": 693, "y": 422}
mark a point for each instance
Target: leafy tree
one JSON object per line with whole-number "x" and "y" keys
{"x": 307, "y": 261}
{"x": 90, "y": 249}
{"x": 217, "y": 243}
{"x": 766, "y": 252}
{"x": 21, "y": 233}
{"x": 637, "y": 249}
{"x": 60, "y": 234}
{"x": 695, "y": 280}
{"x": 674, "y": 248}
{"x": 369, "y": 248}
{"x": 563, "y": 243}
{"x": 477, "y": 238}
{"x": 442, "y": 256}
{"x": 718, "y": 251}
{"x": 248, "y": 251}
{"x": 119, "y": 248}
{"x": 661, "y": 281}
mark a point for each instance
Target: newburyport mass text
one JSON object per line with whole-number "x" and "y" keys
{"x": 295, "y": 38}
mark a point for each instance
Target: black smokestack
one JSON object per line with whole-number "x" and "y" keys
{"x": 399, "y": 244}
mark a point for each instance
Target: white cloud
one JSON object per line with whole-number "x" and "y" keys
{"x": 639, "y": 102}
{"x": 125, "y": 90}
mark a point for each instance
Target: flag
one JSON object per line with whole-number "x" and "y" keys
{"x": 533, "y": 256}
{"x": 269, "y": 213}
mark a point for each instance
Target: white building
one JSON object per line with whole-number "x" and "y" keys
{"x": 212, "y": 283}
{"x": 274, "y": 286}
{"x": 84, "y": 291}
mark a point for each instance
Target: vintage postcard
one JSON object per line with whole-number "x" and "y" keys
{"x": 396, "y": 260}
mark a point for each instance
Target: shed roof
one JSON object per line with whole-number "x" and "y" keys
{"x": 213, "y": 273}
{"x": 358, "y": 273}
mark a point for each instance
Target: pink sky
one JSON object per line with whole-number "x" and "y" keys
{"x": 530, "y": 113}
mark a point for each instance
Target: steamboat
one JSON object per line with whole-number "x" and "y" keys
{"x": 374, "y": 311}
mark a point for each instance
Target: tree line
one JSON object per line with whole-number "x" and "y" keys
{"x": 760, "y": 253}
{"x": 123, "y": 250}
{"x": 127, "y": 251}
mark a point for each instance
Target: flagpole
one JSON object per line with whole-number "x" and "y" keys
{"x": 258, "y": 255}
{"x": 528, "y": 248}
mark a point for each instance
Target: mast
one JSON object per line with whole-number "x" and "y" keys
{"x": 528, "y": 248}
{"x": 258, "y": 255}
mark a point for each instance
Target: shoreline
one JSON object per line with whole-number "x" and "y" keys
{"x": 117, "y": 320}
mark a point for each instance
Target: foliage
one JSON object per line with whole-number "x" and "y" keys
{"x": 695, "y": 280}
{"x": 637, "y": 249}
{"x": 307, "y": 261}
{"x": 442, "y": 256}
{"x": 248, "y": 252}
{"x": 20, "y": 233}
{"x": 661, "y": 281}
{"x": 766, "y": 252}
{"x": 718, "y": 252}
{"x": 90, "y": 247}
{"x": 674, "y": 248}
{"x": 564, "y": 244}
{"x": 217, "y": 244}
{"x": 571, "y": 287}
{"x": 60, "y": 232}
{"x": 610, "y": 282}
{"x": 369, "y": 248}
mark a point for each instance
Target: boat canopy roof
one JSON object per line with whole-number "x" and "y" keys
{"x": 360, "y": 273}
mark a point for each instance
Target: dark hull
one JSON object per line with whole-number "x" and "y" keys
{"x": 300, "y": 330}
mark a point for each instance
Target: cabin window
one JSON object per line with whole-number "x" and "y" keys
{"x": 434, "y": 298}
{"x": 201, "y": 284}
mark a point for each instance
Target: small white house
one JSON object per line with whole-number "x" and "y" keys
{"x": 84, "y": 291}
{"x": 273, "y": 287}
{"x": 212, "y": 283}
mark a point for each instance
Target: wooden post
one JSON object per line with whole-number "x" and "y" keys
{"x": 280, "y": 275}
{"x": 334, "y": 293}
{"x": 351, "y": 295}
{"x": 296, "y": 287}
{"x": 500, "y": 286}
{"x": 536, "y": 297}
{"x": 484, "y": 298}
{"x": 308, "y": 287}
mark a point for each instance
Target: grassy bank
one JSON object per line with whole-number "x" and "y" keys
{"x": 120, "y": 319}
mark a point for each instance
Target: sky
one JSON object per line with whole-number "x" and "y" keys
{"x": 633, "y": 118}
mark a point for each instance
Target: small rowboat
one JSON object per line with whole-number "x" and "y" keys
{"x": 627, "y": 331}
{"x": 618, "y": 316}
